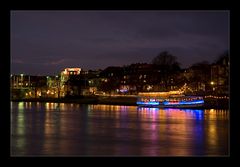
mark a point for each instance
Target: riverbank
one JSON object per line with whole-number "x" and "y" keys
{"x": 210, "y": 103}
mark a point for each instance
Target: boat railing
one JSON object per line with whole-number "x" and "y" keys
{"x": 170, "y": 98}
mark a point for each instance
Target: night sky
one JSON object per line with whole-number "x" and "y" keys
{"x": 46, "y": 42}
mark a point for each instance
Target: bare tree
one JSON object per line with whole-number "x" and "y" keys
{"x": 168, "y": 67}
{"x": 166, "y": 60}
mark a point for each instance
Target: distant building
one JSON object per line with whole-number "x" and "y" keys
{"x": 26, "y": 86}
{"x": 147, "y": 77}
{"x": 197, "y": 77}
{"x": 220, "y": 76}
{"x": 138, "y": 77}
{"x": 94, "y": 80}
{"x": 77, "y": 82}
{"x": 69, "y": 71}
{"x": 20, "y": 81}
{"x": 110, "y": 79}
{"x": 64, "y": 76}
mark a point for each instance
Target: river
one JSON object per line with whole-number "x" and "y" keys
{"x": 64, "y": 129}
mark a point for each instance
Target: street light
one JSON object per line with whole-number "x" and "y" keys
{"x": 212, "y": 83}
{"x": 21, "y": 80}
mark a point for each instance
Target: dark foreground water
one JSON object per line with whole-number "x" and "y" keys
{"x": 52, "y": 129}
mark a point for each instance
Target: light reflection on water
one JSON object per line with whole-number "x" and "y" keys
{"x": 77, "y": 129}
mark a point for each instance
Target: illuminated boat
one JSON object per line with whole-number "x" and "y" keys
{"x": 172, "y": 99}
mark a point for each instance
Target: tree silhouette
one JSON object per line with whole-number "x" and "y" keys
{"x": 166, "y": 60}
{"x": 39, "y": 84}
{"x": 75, "y": 83}
{"x": 167, "y": 66}
{"x": 223, "y": 58}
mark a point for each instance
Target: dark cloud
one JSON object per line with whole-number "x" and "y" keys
{"x": 44, "y": 42}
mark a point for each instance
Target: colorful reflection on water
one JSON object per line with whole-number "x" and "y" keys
{"x": 111, "y": 130}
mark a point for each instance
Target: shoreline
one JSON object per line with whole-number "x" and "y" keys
{"x": 210, "y": 103}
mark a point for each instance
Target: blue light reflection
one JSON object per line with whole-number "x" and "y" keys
{"x": 199, "y": 114}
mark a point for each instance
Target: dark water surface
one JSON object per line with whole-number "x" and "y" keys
{"x": 61, "y": 129}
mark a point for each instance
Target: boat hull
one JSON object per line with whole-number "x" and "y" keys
{"x": 173, "y": 101}
{"x": 173, "y": 106}
{"x": 167, "y": 104}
